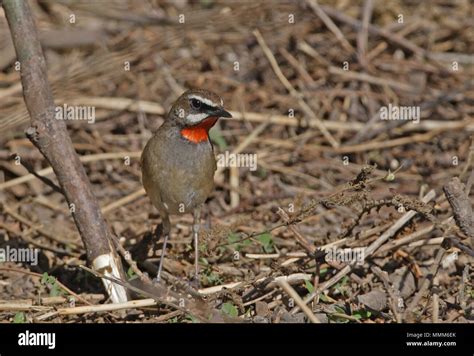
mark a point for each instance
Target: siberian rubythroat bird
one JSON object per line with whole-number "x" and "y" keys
{"x": 178, "y": 162}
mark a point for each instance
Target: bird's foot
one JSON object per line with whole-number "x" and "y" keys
{"x": 195, "y": 282}
{"x": 157, "y": 280}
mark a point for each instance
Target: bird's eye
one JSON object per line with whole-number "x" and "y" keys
{"x": 195, "y": 103}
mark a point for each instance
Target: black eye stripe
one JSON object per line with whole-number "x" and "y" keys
{"x": 205, "y": 107}
{"x": 202, "y": 107}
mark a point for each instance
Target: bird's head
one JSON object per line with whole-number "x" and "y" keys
{"x": 195, "y": 112}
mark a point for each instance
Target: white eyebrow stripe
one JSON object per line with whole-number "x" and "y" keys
{"x": 196, "y": 117}
{"x": 203, "y": 100}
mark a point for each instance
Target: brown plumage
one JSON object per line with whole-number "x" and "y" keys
{"x": 178, "y": 162}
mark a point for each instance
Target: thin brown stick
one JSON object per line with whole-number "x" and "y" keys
{"x": 292, "y": 293}
{"x": 426, "y": 283}
{"x": 362, "y": 36}
{"x": 313, "y": 4}
{"x": 394, "y": 294}
{"x": 364, "y": 77}
{"x": 435, "y": 316}
{"x": 132, "y": 304}
{"x": 133, "y": 265}
{"x": 123, "y": 201}
{"x": 305, "y": 107}
{"x": 299, "y": 237}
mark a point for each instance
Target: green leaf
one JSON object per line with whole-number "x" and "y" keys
{"x": 267, "y": 242}
{"x": 55, "y": 291}
{"x": 213, "y": 278}
{"x": 50, "y": 282}
{"x": 265, "y": 238}
{"x": 130, "y": 273}
{"x": 246, "y": 242}
{"x": 19, "y": 318}
{"x": 192, "y": 319}
{"x": 216, "y": 137}
{"x": 233, "y": 237}
{"x": 338, "y": 319}
{"x": 357, "y": 315}
{"x": 45, "y": 278}
{"x": 261, "y": 172}
{"x": 323, "y": 297}
{"x": 235, "y": 241}
{"x": 207, "y": 3}
{"x": 341, "y": 286}
{"x": 203, "y": 248}
{"x": 230, "y": 310}
{"x": 309, "y": 286}
{"x": 362, "y": 314}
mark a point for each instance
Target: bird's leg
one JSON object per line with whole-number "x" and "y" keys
{"x": 166, "y": 227}
{"x": 196, "y": 227}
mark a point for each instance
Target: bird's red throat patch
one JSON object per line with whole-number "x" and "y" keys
{"x": 199, "y": 133}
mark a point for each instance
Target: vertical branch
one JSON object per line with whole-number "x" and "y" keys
{"x": 51, "y": 138}
{"x": 362, "y": 35}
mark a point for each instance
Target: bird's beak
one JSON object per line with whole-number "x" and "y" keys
{"x": 220, "y": 112}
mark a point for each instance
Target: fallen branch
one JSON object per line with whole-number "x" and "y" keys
{"x": 132, "y": 304}
{"x": 195, "y": 307}
{"x": 292, "y": 293}
{"x": 369, "y": 250}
